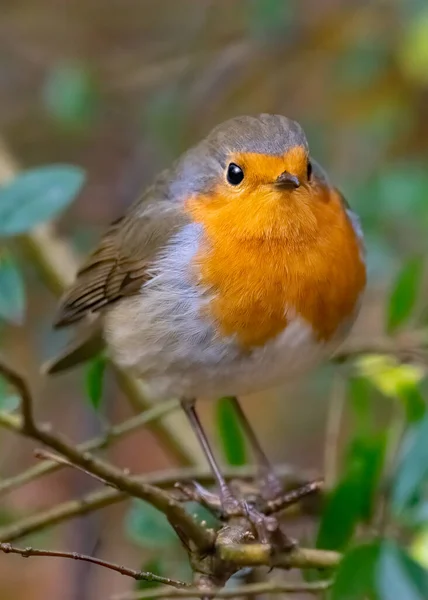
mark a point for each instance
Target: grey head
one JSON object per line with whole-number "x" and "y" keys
{"x": 199, "y": 168}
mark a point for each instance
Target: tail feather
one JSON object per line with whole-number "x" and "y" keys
{"x": 87, "y": 343}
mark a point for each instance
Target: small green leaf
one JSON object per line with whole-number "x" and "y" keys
{"x": 352, "y": 501}
{"x": 37, "y": 195}
{"x": 412, "y": 469}
{"x": 12, "y": 293}
{"x": 95, "y": 380}
{"x": 355, "y": 576}
{"x": 8, "y": 401}
{"x": 148, "y": 527}
{"x": 399, "y": 576}
{"x": 70, "y": 95}
{"x": 231, "y": 435}
{"x": 404, "y": 294}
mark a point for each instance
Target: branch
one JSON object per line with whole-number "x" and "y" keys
{"x": 112, "y": 435}
{"x": 202, "y": 538}
{"x": 137, "y": 575}
{"x": 252, "y": 589}
{"x": 261, "y": 554}
{"x": 60, "y": 513}
{"x": 105, "y": 497}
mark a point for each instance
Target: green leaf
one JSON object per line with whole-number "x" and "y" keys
{"x": 70, "y": 95}
{"x": 399, "y": 576}
{"x": 148, "y": 527}
{"x": 352, "y": 501}
{"x": 355, "y": 576}
{"x": 404, "y": 294}
{"x": 37, "y": 195}
{"x": 12, "y": 293}
{"x": 231, "y": 434}
{"x": 8, "y": 401}
{"x": 95, "y": 380}
{"x": 412, "y": 469}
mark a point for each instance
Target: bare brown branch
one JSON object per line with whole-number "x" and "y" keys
{"x": 252, "y": 589}
{"x": 137, "y": 575}
{"x": 105, "y": 497}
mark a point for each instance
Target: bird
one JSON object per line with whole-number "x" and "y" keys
{"x": 240, "y": 268}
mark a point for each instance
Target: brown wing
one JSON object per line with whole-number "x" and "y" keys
{"x": 118, "y": 266}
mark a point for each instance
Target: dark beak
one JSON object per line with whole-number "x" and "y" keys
{"x": 287, "y": 180}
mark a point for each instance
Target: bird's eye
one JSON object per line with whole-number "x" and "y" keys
{"x": 309, "y": 171}
{"x": 234, "y": 174}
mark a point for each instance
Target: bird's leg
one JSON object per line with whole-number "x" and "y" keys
{"x": 269, "y": 484}
{"x": 226, "y": 495}
{"x": 265, "y": 527}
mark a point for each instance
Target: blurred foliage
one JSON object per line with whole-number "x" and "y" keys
{"x": 70, "y": 96}
{"x": 12, "y": 293}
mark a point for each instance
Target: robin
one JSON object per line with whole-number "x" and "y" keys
{"x": 239, "y": 268}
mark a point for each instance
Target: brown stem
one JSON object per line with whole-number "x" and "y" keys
{"x": 137, "y": 575}
{"x": 105, "y": 497}
{"x": 252, "y": 589}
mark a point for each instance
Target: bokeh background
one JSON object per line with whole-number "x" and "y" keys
{"x": 121, "y": 87}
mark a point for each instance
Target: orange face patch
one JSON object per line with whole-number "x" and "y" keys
{"x": 269, "y": 250}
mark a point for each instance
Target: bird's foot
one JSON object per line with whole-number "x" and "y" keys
{"x": 266, "y": 528}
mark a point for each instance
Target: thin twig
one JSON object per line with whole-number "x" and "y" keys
{"x": 137, "y": 575}
{"x": 46, "y": 455}
{"x": 252, "y": 589}
{"x": 60, "y": 513}
{"x": 293, "y": 496}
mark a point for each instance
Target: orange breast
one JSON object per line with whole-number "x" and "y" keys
{"x": 267, "y": 257}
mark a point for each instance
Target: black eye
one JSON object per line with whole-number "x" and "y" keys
{"x": 309, "y": 171}
{"x": 234, "y": 174}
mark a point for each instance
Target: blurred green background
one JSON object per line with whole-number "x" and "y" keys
{"x": 121, "y": 87}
